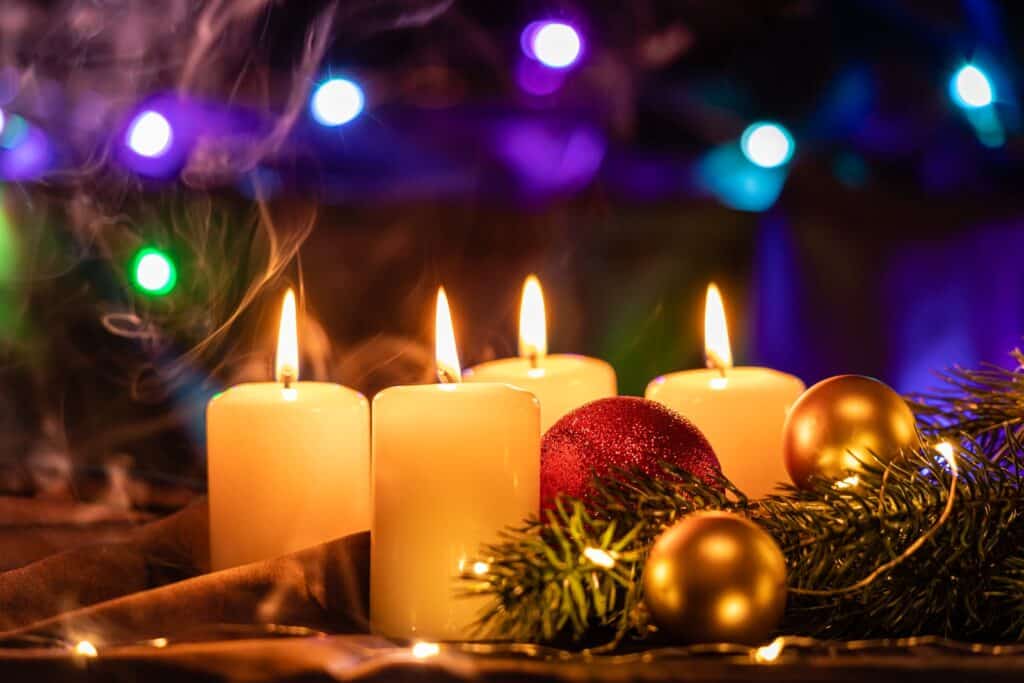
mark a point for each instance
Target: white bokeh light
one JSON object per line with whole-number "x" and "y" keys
{"x": 767, "y": 144}
{"x": 150, "y": 134}
{"x": 336, "y": 102}
{"x": 556, "y": 45}
{"x": 971, "y": 88}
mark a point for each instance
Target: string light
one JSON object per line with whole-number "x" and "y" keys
{"x": 150, "y": 134}
{"x": 153, "y": 272}
{"x": 85, "y": 649}
{"x": 847, "y": 483}
{"x": 601, "y": 558}
{"x": 424, "y": 650}
{"x": 767, "y": 144}
{"x": 337, "y": 101}
{"x": 770, "y": 652}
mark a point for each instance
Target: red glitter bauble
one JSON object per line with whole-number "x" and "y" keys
{"x": 621, "y": 432}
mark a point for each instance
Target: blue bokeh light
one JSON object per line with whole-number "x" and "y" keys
{"x": 767, "y": 144}
{"x": 971, "y": 88}
{"x": 738, "y": 182}
{"x": 337, "y": 101}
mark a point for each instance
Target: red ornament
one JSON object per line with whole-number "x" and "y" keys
{"x": 621, "y": 432}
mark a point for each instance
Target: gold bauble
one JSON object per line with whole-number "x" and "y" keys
{"x": 842, "y": 421}
{"x": 716, "y": 578}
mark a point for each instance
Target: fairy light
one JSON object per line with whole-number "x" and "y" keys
{"x": 423, "y": 650}
{"x": 84, "y": 648}
{"x": 601, "y": 558}
{"x": 480, "y": 567}
{"x": 945, "y": 449}
{"x": 770, "y": 652}
{"x": 847, "y": 483}
{"x": 158, "y": 642}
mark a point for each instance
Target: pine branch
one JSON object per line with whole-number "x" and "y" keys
{"x": 576, "y": 576}
{"x": 985, "y": 403}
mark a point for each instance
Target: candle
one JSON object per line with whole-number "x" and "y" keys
{"x": 561, "y": 382}
{"x": 288, "y": 461}
{"x": 740, "y": 410}
{"x": 453, "y": 464}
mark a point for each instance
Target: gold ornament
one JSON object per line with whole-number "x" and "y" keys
{"x": 715, "y": 577}
{"x": 842, "y": 421}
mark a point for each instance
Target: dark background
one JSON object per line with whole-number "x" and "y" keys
{"x": 893, "y": 248}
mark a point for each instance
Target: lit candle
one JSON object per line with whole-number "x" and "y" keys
{"x": 561, "y": 382}
{"x": 740, "y": 410}
{"x": 453, "y": 464}
{"x": 288, "y": 461}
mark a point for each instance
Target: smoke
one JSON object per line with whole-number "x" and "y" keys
{"x": 112, "y": 373}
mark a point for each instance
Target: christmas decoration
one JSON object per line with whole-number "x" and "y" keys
{"x": 927, "y": 544}
{"x": 716, "y": 577}
{"x": 841, "y": 423}
{"x": 620, "y": 432}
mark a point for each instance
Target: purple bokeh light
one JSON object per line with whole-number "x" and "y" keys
{"x": 551, "y": 159}
{"x": 555, "y": 44}
{"x": 25, "y": 151}
{"x": 150, "y": 134}
{"x": 536, "y": 79}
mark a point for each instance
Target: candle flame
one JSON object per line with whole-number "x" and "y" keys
{"x": 716, "y": 332}
{"x": 533, "y": 332}
{"x": 286, "y": 367}
{"x": 445, "y": 352}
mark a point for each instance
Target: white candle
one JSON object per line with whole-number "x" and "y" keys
{"x": 741, "y": 411}
{"x": 453, "y": 464}
{"x": 288, "y": 462}
{"x": 561, "y": 382}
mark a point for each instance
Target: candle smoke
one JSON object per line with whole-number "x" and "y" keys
{"x": 94, "y": 373}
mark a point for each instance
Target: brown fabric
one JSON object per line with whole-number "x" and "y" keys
{"x": 156, "y": 584}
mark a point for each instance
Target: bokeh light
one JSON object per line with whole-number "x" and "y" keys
{"x": 153, "y": 272}
{"x": 767, "y": 144}
{"x": 738, "y": 182}
{"x": 150, "y": 134}
{"x": 970, "y": 88}
{"x": 553, "y": 44}
{"x": 336, "y": 102}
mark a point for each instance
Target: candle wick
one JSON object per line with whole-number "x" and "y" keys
{"x": 534, "y": 359}
{"x": 446, "y": 376}
{"x": 715, "y": 363}
{"x": 287, "y": 377}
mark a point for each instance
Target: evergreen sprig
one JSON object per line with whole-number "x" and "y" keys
{"x": 984, "y": 403}
{"x": 878, "y": 558}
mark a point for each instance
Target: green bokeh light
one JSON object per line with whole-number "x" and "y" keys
{"x": 153, "y": 272}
